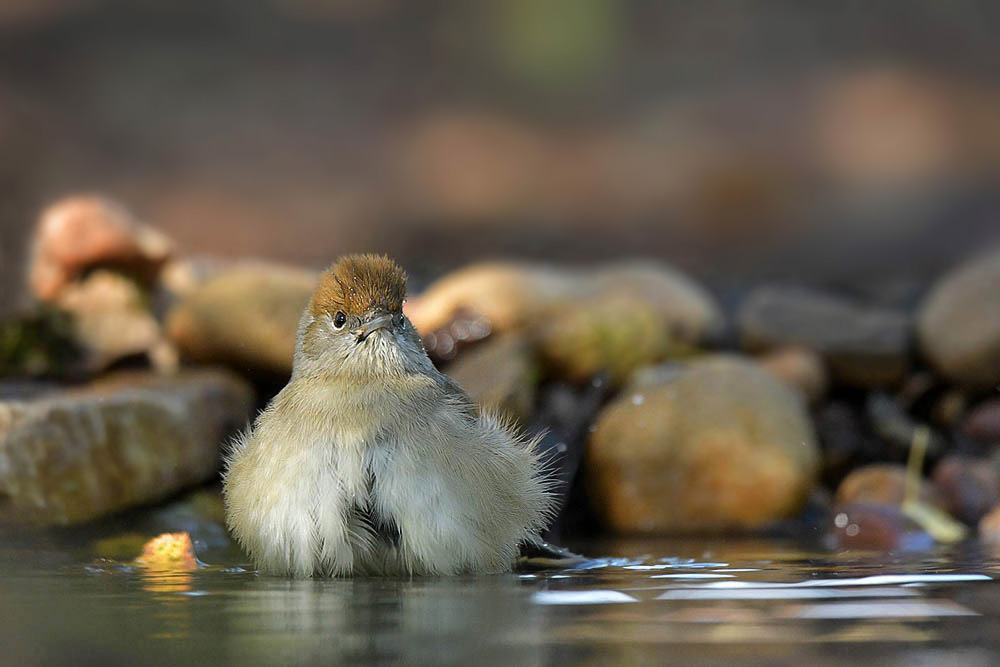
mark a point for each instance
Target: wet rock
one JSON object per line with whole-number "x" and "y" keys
{"x": 799, "y": 368}
{"x": 690, "y": 312}
{"x": 722, "y": 444}
{"x": 499, "y": 374}
{"x": 615, "y": 335}
{"x": 880, "y": 484}
{"x": 958, "y": 323}
{"x": 863, "y": 346}
{"x": 968, "y": 487}
{"x": 872, "y": 527}
{"x": 111, "y": 320}
{"x": 246, "y": 316}
{"x": 989, "y": 527}
{"x": 982, "y": 424}
{"x": 507, "y": 295}
{"x": 630, "y": 315}
{"x": 580, "y": 319}
{"x": 126, "y": 440}
{"x": 82, "y": 232}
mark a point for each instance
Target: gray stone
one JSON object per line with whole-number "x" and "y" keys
{"x": 128, "y": 439}
{"x": 958, "y": 324}
{"x": 863, "y": 346}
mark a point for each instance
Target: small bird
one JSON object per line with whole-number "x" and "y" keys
{"x": 372, "y": 462}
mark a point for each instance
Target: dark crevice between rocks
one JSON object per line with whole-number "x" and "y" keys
{"x": 564, "y": 413}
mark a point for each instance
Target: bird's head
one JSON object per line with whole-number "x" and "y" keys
{"x": 354, "y": 323}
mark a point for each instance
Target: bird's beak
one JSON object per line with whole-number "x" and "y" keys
{"x": 380, "y": 322}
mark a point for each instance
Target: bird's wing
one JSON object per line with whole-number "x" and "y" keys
{"x": 458, "y": 396}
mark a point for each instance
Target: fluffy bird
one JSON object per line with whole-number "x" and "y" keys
{"x": 372, "y": 462}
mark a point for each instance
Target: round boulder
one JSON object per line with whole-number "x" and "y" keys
{"x": 719, "y": 444}
{"x": 959, "y": 323}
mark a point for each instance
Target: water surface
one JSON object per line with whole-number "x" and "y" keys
{"x": 684, "y": 601}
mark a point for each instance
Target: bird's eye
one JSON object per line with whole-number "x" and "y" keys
{"x": 339, "y": 320}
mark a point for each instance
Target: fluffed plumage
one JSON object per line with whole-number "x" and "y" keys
{"x": 370, "y": 461}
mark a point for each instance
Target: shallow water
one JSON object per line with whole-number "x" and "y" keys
{"x": 684, "y": 601}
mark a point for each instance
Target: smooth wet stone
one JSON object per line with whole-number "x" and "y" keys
{"x": 82, "y": 232}
{"x": 499, "y": 374}
{"x": 721, "y": 444}
{"x": 128, "y": 439}
{"x": 982, "y": 424}
{"x": 245, "y": 317}
{"x": 506, "y": 295}
{"x": 864, "y": 346}
{"x": 614, "y": 318}
{"x": 967, "y": 487}
{"x": 958, "y": 323}
{"x": 613, "y": 335}
{"x": 881, "y": 484}
{"x": 874, "y": 527}
{"x": 800, "y": 368}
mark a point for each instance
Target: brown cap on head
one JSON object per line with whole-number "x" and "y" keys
{"x": 356, "y": 284}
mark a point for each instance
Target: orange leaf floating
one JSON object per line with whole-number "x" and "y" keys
{"x": 173, "y": 551}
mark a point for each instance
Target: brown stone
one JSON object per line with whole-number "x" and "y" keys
{"x": 82, "y": 232}
{"x": 874, "y": 527}
{"x": 863, "y": 346}
{"x": 719, "y": 444}
{"x": 968, "y": 487}
{"x": 246, "y": 316}
{"x": 111, "y": 320}
{"x": 882, "y": 484}
{"x": 613, "y": 318}
{"x": 507, "y": 295}
{"x": 800, "y": 368}
{"x": 125, "y": 440}
{"x": 959, "y": 323}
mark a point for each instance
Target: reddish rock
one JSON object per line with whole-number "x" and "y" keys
{"x": 967, "y": 487}
{"x": 873, "y": 527}
{"x": 81, "y": 232}
{"x": 800, "y": 368}
{"x": 881, "y": 484}
{"x": 982, "y": 424}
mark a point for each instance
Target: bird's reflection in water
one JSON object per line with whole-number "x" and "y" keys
{"x": 387, "y": 620}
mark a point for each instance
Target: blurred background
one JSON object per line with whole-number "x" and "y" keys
{"x": 851, "y": 142}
